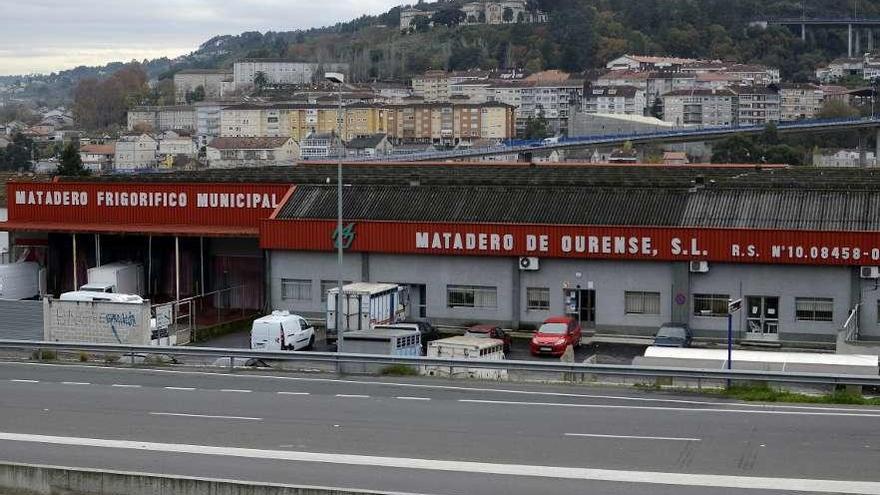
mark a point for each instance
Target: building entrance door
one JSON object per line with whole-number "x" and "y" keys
{"x": 762, "y": 318}
{"x": 581, "y": 304}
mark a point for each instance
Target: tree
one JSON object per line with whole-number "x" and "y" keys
{"x": 837, "y": 109}
{"x": 18, "y": 154}
{"x": 520, "y": 17}
{"x": 448, "y": 17}
{"x": 657, "y": 108}
{"x": 507, "y": 15}
{"x": 481, "y": 17}
{"x": 196, "y": 95}
{"x": 536, "y": 128}
{"x": 101, "y": 104}
{"x": 736, "y": 149}
{"x": 260, "y": 81}
{"x": 70, "y": 163}
{"x": 421, "y": 23}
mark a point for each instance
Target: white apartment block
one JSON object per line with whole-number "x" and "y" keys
{"x": 617, "y": 100}
{"x": 186, "y": 81}
{"x": 163, "y": 118}
{"x": 553, "y": 100}
{"x": 134, "y": 152}
{"x": 432, "y": 86}
{"x": 756, "y": 105}
{"x": 282, "y": 72}
{"x": 700, "y": 107}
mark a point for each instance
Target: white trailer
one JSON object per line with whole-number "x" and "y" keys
{"x": 365, "y": 305}
{"x": 119, "y": 278}
{"x": 470, "y": 348}
{"x": 25, "y": 280}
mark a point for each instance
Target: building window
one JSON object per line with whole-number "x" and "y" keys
{"x": 471, "y": 296}
{"x": 296, "y": 289}
{"x": 642, "y": 303}
{"x": 814, "y": 309}
{"x": 330, "y": 284}
{"x": 711, "y": 304}
{"x": 538, "y": 298}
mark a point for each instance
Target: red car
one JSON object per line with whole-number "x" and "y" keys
{"x": 555, "y": 335}
{"x": 490, "y": 332}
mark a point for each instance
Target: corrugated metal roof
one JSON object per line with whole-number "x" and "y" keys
{"x": 748, "y": 209}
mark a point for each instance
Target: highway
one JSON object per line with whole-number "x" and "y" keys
{"x": 415, "y": 435}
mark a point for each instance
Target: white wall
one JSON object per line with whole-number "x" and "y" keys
{"x": 4, "y": 237}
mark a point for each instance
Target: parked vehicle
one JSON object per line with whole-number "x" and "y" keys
{"x": 120, "y": 278}
{"x": 555, "y": 335}
{"x": 387, "y": 340}
{"x": 429, "y": 332}
{"x": 550, "y": 140}
{"x": 365, "y": 305}
{"x": 282, "y": 331}
{"x": 24, "y": 280}
{"x": 490, "y": 332}
{"x": 673, "y": 335}
{"x": 464, "y": 347}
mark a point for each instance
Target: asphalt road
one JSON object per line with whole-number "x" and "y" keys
{"x": 430, "y": 436}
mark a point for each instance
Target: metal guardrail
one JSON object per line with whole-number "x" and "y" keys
{"x": 510, "y": 365}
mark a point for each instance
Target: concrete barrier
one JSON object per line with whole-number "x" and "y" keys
{"x": 34, "y": 479}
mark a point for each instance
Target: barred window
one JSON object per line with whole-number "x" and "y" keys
{"x": 471, "y": 296}
{"x": 642, "y": 303}
{"x": 296, "y": 289}
{"x": 538, "y": 298}
{"x": 814, "y": 309}
{"x": 330, "y": 284}
{"x": 711, "y": 304}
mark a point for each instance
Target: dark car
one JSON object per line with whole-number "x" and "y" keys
{"x": 673, "y": 335}
{"x": 490, "y": 332}
{"x": 429, "y": 333}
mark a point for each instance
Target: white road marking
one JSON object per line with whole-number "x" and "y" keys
{"x": 413, "y": 398}
{"x": 632, "y": 437}
{"x": 120, "y": 385}
{"x": 208, "y": 416}
{"x": 24, "y": 381}
{"x": 293, "y": 393}
{"x": 235, "y": 390}
{"x": 452, "y": 388}
{"x": 876, "y": 414}
{"x": 352, "y": 396}
{"x": 555, "y": 472}
{"x": 186, "y": 389}
{"x": 75, "y": 383}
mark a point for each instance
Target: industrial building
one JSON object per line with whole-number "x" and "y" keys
{"x": 623, "y": 248}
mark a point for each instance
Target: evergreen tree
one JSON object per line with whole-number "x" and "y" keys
{"x": 71, "y": 163}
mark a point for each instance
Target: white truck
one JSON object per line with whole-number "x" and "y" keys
{"x": 470, "y": 348}
{"x": 365, "y": 305}
{"x": 24, "y": 280}
{"x": 282, "y": 331}
{"x": 118, "y": 278}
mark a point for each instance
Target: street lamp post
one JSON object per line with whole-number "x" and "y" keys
{"x": 338, "y": 79}
{"x": 732, "y": 307}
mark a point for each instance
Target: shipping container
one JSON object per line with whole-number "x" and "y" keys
{"x": 24, "y": 280}
{"x": 119, "y": 278}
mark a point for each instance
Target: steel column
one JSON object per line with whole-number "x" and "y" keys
{"x": 97, "y": 249}
{"x": 849, "y": 43}
{"x": 75, "y": 281}
{"x": 202, "y": 265}
{"x": 176, "y": 269}
{"x": 149, "y": 265}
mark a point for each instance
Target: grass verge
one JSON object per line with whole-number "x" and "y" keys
{"x": 765, "y": 393}
{"x": 399, "y": 370}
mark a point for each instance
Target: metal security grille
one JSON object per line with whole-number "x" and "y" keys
{"x": 471, "y": 296}
{"x": 538, "y": 298}
{"x": 711, "y": 304}
{"x": 642, "y": 303}
{"x": 296, "y": 289}
{"x": 814, "y": 309}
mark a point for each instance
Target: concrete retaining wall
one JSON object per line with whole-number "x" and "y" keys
{"x": 29, "y": 479}
{"x": 96, "y": 322}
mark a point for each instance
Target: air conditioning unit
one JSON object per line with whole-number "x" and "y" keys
{"x": 528, "y": 264}
{"x": 699, "y": 266}
{"x": 870, "y": 272}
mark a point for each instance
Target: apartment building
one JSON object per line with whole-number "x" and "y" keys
{"x": 211, "y": 80}
{"x": 620, "y": 100}
{"x": 701, "y": 107}
{"x": 756, "y": 105}
{"x": 135, "y": 152}
{"x": 227, "y": 152}
{"x": 449, "y": 124}
{"x": 162, "y": 118}
{"x": 431, "y": 86}
{"x": 800, "y": 101}
{"x": 553, "y": 100}
{"x": 282, "y": 72}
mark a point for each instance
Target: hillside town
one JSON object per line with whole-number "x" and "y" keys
{"x": 265, "y": 112}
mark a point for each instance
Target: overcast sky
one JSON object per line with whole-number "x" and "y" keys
{"x": 50, "y": 35}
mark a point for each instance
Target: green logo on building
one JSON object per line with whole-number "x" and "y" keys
{"x": 347, "y": 236}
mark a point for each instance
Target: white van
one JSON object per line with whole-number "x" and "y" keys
{"x": 282, "y": 331}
